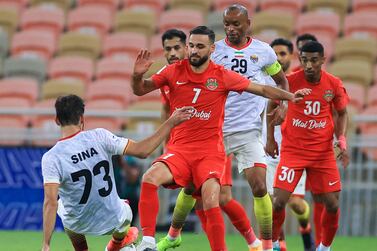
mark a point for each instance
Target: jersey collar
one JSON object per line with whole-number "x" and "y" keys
{"x": 239, "y": 48}
{"x": 70, "y": 136}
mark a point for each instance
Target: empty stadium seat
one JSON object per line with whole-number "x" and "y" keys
{"x": 290, "y": 6}
{"x": 8, "y": 21}
{"x": 364, "y": 49}
{"x": 155, "y": 5}
{"x": 90, "y": 19}
{"x": 64, "y": 4}
{"x": 201, "y": 5}
{"x": 117, "y": 82}
{"x": 361, "y": 24}
{"x": 156, "y": 48}
{"x": 34, "y": 43}
{"x": 4, "y": 44}
{"x": 136, "y": 21}
{"x": 112, "y": 90}
{"x": 368, "y": 111}
{"x": 26, "y": 89}
{"x": 215, "y": 21}
{"x": 54, "y": 88}
{"x": 144, "y": 125}
{"x": 338, "y": 6}
{"x": 375, "y": 74}
{"x": 359, "y": 72}
{"x": 112, "y": 123}
{"x": 74, "y": 43}
{"x": 220, "y": 5}
{"x": 372, "y": 96}
{"x": 357, "y": 95}
{"x": 114, "y": 68}
{"x": 25, "y": 67}
{"x": 43, "y": 18}
{"x": 273, "y": 22}
{"x": 368, "y": 133}
{"x": 76, "y": 67}
{"x": 124, "y": 44}
{"x": 328, "y": 45}
{"x": 361, "y": 5}
{"x": 111, "y": 5}
{"x": 180, "y": 19}
{"x": 319, "y": 23}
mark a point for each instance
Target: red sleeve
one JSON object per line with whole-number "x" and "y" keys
{"x": 164, "y": 97}
{"x": 234, "y": 81}
{"x": 341, "y": 98}
{"x": 162, "y": 77}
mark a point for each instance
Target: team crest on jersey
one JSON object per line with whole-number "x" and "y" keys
{"x": 254, "y": 58}
{"x": 329, "y": 95}
{"x": 211, "y": 84}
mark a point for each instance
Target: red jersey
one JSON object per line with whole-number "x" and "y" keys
{"x": 165, "y": 95}
{"x": 309, "y": 128}
{"x": 206, "y": 93}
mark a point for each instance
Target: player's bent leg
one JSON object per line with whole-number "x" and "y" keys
{"x": 201, "y": 214}
{"x": 78, "y": 240}
{"x": 317, "y": 215}
{"x": 280, "y": 199}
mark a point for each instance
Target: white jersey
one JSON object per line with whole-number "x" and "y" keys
{"x": 81, "y": 164}
{"x": 242, "y": 112}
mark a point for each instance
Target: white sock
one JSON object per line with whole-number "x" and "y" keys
{"x": 276, "y": 244}
{"x": 322, "y": 247}
{"x": 255, "y": 244}
{"x": 149, "y": 239}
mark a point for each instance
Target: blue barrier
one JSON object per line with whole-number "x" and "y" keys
{"x": 21, "y": 189}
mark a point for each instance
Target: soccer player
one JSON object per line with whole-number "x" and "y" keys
{"x": 300, "y": 208}
{"x": 195, "y": 153}
{"x": 257, "y": 61}
{"x": 300, "y": 41}
{"x": 307, "y": 143}
{"x": 79, "y": 170}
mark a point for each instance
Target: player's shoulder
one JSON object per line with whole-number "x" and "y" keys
{"x": 331, "y": 78}
{"x": 259, "y": 44}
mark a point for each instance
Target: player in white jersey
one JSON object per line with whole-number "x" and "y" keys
{"x": 79, "y": 170}
{"x": 243, "y": 124}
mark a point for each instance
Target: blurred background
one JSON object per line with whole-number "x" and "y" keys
{"x": 87, "y": 47}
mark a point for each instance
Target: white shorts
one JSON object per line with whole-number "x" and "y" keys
{"x": 271, "y": 169}
{"x": 247, "y": 148}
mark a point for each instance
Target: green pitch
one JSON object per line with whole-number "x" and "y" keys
{"x": 31, "y": 241}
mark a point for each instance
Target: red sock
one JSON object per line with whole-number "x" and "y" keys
{"x": 215, "y": 229}
{"x": 148, "y": 208}
{"x": 317, "y": 214}
{"x": 239, "y": 219}
{"x": 278, "y": 218}
{"x": 203, "y": 219}
{"x": 329, "y": 227}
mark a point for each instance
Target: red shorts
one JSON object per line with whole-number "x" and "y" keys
{"x": 188, "y": 168}
{"x": 226, "y": 179}
{"x": 322, "y": 176}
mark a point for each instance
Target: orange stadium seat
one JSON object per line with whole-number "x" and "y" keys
{"x": 117, "y": 82}
{"x": 275, "y": 23}
{"x": 361, "y": 5}
{"x": 180, "y": 19}
{"x": 8, "y": 20}
{"x": 156, "y": 49}
{"x": 356, "y": 48}
{"x": 111, "y": 5}
{"x": 114, "y": 68}
{"x": 24, "y": 88}
{"x": 43, "y": 18}
{"x": 85, "y": 19}
{"x": 372, "y": 96}
{"x": 112, "y": 90}
{"x": 220, "y": 5}
{"x": 361, "y": 24}
{"x": 140, "y": 21}
{"x": 18, "y": 5}
{"x": 53, "y": 88}
{"x": 319, "y": 23}
{"x": 200, "y": 5}
{"x": 124, "y": 44}
{"x": 34, "y": 43}
{"x": 75, "y": 67}
{"x": 144, "y": 125}
{"x": 110, "y": 123}
{"x": 74, "y": 43}
{"x": 291, "y": 6}
{"x": 64, "y": 4}
{"x": 338, "y": 6}
{"x": 356, "y": 93}
{"x": 156, "y": 5}
{"x": 359, "y": 72}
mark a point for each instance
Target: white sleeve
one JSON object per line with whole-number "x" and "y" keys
{"x": 114, "y": 145}
{"x": 50, "y": 171}
{"x": 271, "y": 56}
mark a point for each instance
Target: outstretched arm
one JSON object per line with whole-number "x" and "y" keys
{"x": 50, "y": 206}
{"x": 141, "y": 86}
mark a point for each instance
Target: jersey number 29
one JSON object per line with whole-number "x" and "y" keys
{"x": 87, "y": 174}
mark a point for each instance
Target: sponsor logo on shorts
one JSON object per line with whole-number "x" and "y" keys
{"x": 309, "y": 124}
{"x": 180, "y": 83}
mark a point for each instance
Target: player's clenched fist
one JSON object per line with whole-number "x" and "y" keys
{"x": 299, "y": 95}
{"x": 180, "y": 115}
{"x": 143, "y": 62}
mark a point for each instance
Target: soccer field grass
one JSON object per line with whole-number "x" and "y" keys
{"x": 31, "y": 241}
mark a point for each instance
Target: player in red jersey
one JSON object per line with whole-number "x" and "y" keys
{"x": 195, "y": 153}
{"x": 300, "y": 42}
{"x": 307, "y": 142}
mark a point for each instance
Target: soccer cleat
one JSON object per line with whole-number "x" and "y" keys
{"x": 165, "y": 243}
{"x": 127, "y": 240}
{"x": 257, "y": 248}
{"x": 276, "y": 246}
{"x": 146, "y": 246}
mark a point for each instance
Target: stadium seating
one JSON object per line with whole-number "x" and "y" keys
{"x": 110, "y": 5}
{"x": 75, "y": 67}
{"x": 357, "y": 95}
{"x": 136, "y": 21}
{"x": 53, "y": 88}
{"x": 124, "y": 44}
{"x": 361, "y": 5}
{"x": 201, "y": 5}
{"x": 359, "y": 72}
{"x": 63, "y": 4}
{"x": 114, "y": 68}
{"x": 43, "y": 18}
{"x": 130, "y": 97}
{"x": 8, "y": 21}
{"x": 180, "y": 19}
{"x": 17, "y": 5}
{"x": 156, "y": 6}
{"x": 4, "y": 44}
{"x": 110, "y": 91}
{"x": 144, "y": 125}
{"x": 364, "y": 49}
{"x": 338, "y": 6}
{"x": 319, "y": 23}
{"x": 372, "y": 97}
{"x": 110, "y": 123}
{"x": 85, "y": 19}
{"x": 155, "y": 47}
{"x": 273, "y": 22}
{"x": 220, "y": 5}
{"x": 361, "y": 24}
{"x": 290, "y": 6}
{"x": 33, "y": 68}
{"x": 34, "y": 43}
{"x": 74, "y": 43}
{"x": 214, "y": 21}
{"x": 21, "y": 88}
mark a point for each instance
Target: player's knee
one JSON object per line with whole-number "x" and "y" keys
{"x": 332, "y": 207}
{"x": 259, "y": 188}
{"x": 297, "y": 205}
{"x": 225, "y": 198}
{"x": 278, "y": 204}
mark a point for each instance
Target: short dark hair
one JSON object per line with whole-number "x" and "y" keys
{"x": 204, "y": 30}
{"x": 306, "y": 36}
{"x": 312, "y": 47}
{"x": 172, "y": 33}
{"x": 69, "y": 109}
{"x": 284, "y": 42}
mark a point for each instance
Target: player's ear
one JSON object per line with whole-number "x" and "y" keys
{"x": 213, "y": 47}
{"x": 57, "y": 121}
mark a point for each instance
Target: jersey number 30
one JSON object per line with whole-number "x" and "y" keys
{"x": 87, "y": 174}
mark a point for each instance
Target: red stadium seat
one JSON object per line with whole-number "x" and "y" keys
{"x": 114, "y": 68}
{"x": 183, "y": 19}
{"x": 34, "y": 43}
{"x": 76, "y": 67}
{"x": 111, "y": 5}
{"x": 17, "y": 5}
{"x": 361, "y": 5}
{"x": 291, "y": 6}
{"x": 372, "y": 96}
{"x": 43, "y": 18}
{"x": 19, "y": 88}
{"x": 375, "y": 74}
{"x": 124, "y": 44}
{"x": 356, "y": 93}
{"x": 369, "y": 111}
{"x": 115, "y": 90}
{"x": 117, "y": 82}
{"x": 90, "y": 19}
{"x": 156, "y": 49}
{"x": 155, "y": 5}
{"x": 319, "y": 23}
{"x": 111, "y": 123}
{"x": 361, "y": 23}
{"x": 220, "y": 5}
